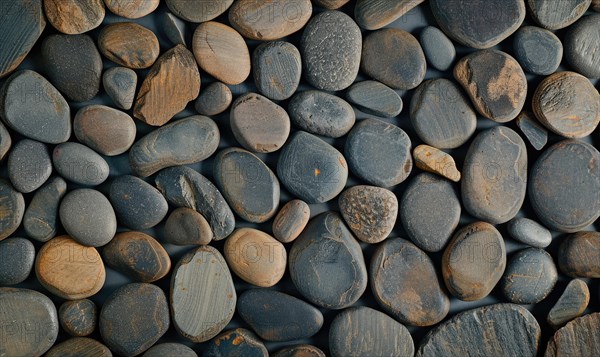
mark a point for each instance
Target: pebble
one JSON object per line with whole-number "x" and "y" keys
{"x": 194, "y": 12}
{"x": 474, "y": 261}
{"x": 17, "y": 260}
{"x": 184, "y": 226}
{"x": 538, "y": 50}
{"x": 73, "y": 64}
{"x": 326, "y": 263}
{"x": 375, "y": 14}
{"x": 494, "y": 330}
{"x": 88, "y": 217}
{"x": 397, "y": 272}
{"x": 528, "y": 231}
{"x": 173, "y": 81}
{"x": 291, "y": 220}
{"x": 30, "y": 321}
{"x": 379, "y": 153}
{"x": 138, "y": 256}
{"x": 321, "y": 113}
{"x": 75, "y": 16}
{"x": 276, "y": 316}
{"x": 22, "y": 24}
{"x": 362, "y": 331}
{"x": 430, "y": 159}
{"x": 202, "y": 295}
{"x": 276, "y": 67}
{"x": 375, "y": 98}
{"x": 331, "y": 50}
{"x": 478, "y": 24}
{"x": 185, "y": 187}
{"x": 108, "y": 131}
{"x": 48, "y": 121}
{"x": 170, "y": 349}
{"x": 578, "y": 338}
{"x": 331, "y": 4}
{"x": 300, "y": 350}
{"x": 174, "y": 28}
{"x": 552, "y": 184}
{"x": 582, "y": 42}
{"x": 579, "y": 255}
{"x": 5, "y": 141}
{"x": 394, "y": 57}
{"x": 369, "y": 211}
{"x": 529, "y": 277}
{"x": 495, "y": 82}
{"x": 248, "y": 185}
{"x": 132, "y": 9}
{"x": 79, "y": 347}
{"x": 567, "y": 104}
{"x": 441, "y": 114}
{"x": 555, "y": 15}
{"x": 214, "y": 99}
{"x": 238, "y": 342}
{"x": 184, "y": 141}
{"x": 255, "y": 256}
{"x": 571, "y": 304}
{"x": 119, "y": 83}
{"x": 12, "y": 206}
{"x": 126, "y": 310}
{"x": 311, "y": 169}
{"x": 29, "y": 165}
{"x": 68, "y": 269}
{"x": 438, "y": 48}
{"x": 595, "y": 5}
{"x": 78, "y": 317}
{"x": 495, "y": 175}
{"x": 263, "y": 20}
{"x": 80, "y": 164}
{"x": 137, "y": 204}
{"x": 41, "y": 217}
{"x": 429, "y": 211}
{"x": 221, "y": 52}
{"x": 129, "y": 44}
{"x": 533, "y": 130}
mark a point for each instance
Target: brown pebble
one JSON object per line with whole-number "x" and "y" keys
{"x": 214, "y": 99}
{"x": 433, "y": 160}
{"x": 185, "y": 226}
{"x": 106, "y": 130}
{"x": 579, "y": 255}
{"x": 129, "y": 44}
{"x": 79, "y": 347}
{"x": 132, "y": 9}
{"x": 74, "y": 16}
{"x": 291, "y": 220}
{"x": 580, "y": 337}
{"x": 332, "y": 4}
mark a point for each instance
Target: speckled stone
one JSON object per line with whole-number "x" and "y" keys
{"x": 579, "y": 337}
{"x": 78, "y": 317}
{"x": 570, "y": 305}
{"x": 529, "y": 232}
{"x": 579, "y": 255}
{"x": 17, "y": 260}
{"x": 41, "y": 217}
{"x": 74, "y": 16}
{"x": 129, "y": 44}
{"x": 12, "y": 204}
{"x": 137, "y": 204}
{"x": 186, "y": 227}
{"x": 430, "y": 159}
{"x": 291, "y": 220}
{"x": 198, "y": 12}
{"x": 214, "y": 99}
{"x": 582, "y": 43}
{"x": 375, "y": 14}
{"x": 538, "y": 50}
{"x": 236, "y": 343}
{"x": 79, "y": 347}
{"x": 529, "y": 277}
{"x": 170, "y": 349}
{"x": 276, "y": 67}
{"x": 88, "y": 217}
{"x": 119, "y": 83}
{"x": 174, "y": 28}
{"x": 106, "y": 130}
{"x": 80, "y": 164}
{"x": 533, "y": 130}
{"x": 321, "y": 113}
{"x": 5, "y": 141}
{"x": 300, "y": 350}
{"x": 556, "y": 15}
{"x": 438, "y": 48}
{"x": 132, "y": 9}
{"x": 375, "y": 98}
{"x": 29, "y": 165}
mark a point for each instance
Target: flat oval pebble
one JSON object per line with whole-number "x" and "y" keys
{"x": 369, "y": 211}
{"x": 137, "y": 204}
{"x": 12, "y": 206}
{"x": 173, "y": 81}
{"x": 202, "y": 295}
{"x": 29, "y": 165}
{"x": 68, "y": 269}
{"x": 495, "y": 175}
{"x": 430, "y": 159}
{"x": 108, "y": 131}
{"x": 326, "y": 263}
{"x": 126, "y": 310}
{"x": 441, "y": 114}
{"x": 17, "y": 255}
{"x": 578, "y": 338}
{"x": 80, "y": 164}
{"x": 299, "y": 350}
{"x": 291, "y": 220}
{"x": 170, "y": 349}
{"x": 174, "y": 28}
{"x": 247, "y": 183}
{"x": 184, "y": 187}
{"x": 29, "y": 321}
{"x": 331, "y": 4}
{"x": 129, "y": 44}
{"x": 538, "y": 50}
{"x": 255, "y": 256}
{"x": 237, "y": 342}
{"x": 88, "y": 217}
{"x": 571, "y": 304}
{"x": 311, "y": 169}
{"x": 5, "y": 141}
{"x": 48, "y": 121}
{"x": 184, "y": 141}
{"x": 263, "y": 20}
{"x": 214, "y": 99}
{"x": 321, "y": 113}
{"x": 379, "y": 152}
{"x": 437, "y": 47}
{"x": 397, "y": 272}
{"x": 198, "y": 12}
{"x": 579, "y": 255}
{"x": 73, "y": 64}
{"x": 79, "y": 347}
{"x": 495, "y": 82}
{"x": 494, "y": 330}
{"x": 132, "y": 9}
{"x": 477, "y": 23}
{"x": 567, "y": 104}
{"x": 535, "y": 132}
{"x": 375, "y": 98}
{"x": 74, "y": 16}
{"x": 582, "y": 42}
{"x": 78, "y": 317}
{"x": 276, "y": 316}
{"x": 276, "y": 67}
{"x": 375, "y": 14}
{"x": 184, "y": 226}
{"x": 331, "y": 49}
{"x": 394, "y": 57}
{"x": 555, "y": 15}
{"x": 566, "y": 176}
{"x": 362, "y": 331}
{"x": 430, "y": 211}
{"x": 41, "y": 217}
{"x": 119, "y": 83}
{"x": 474, "y": 261}
{"x": 529, "y": 277}
{"x": 529, "y": 232}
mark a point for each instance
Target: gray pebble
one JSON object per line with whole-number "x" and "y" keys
{"x": 529, "y": 232}
{"x": 16, "y": 260}
{"x": 170, "y": 349}
{"x": 375, "y": 98}
{"x": 41, "y": 217}
{"x": 12, "y": 204}
{"x": 538, "y": 50}
{"x": 321, "y": 113}
{"x": 119, "y": 83}
{"x": 78, "y": 317}
{"x": 214, "y": 99}
{"x": 291, "y": 220}
{"x": 80, "y": 164}
{"x": 438, "y": 48}
{"x": 555, "y": 15}
{"x": 276, "y": 67}
{"x": 5, "y": 141}
{"x": 29, "y": 165}
{"x": 533, "y": 130}
{"x": 198, "y": 12}
{"x": 174, "y": 28}
{"x": 137, "y": 204}
{"x": 571, "y": 304}
{"x": 582, "y": 45}
{"x": 186, "y": 227}
{"x": 529, "y": 277}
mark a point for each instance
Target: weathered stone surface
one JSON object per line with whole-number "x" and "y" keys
{"x": 186, "y": 226}
{"x": 29, "y": 165}
{"x": 529, "y": 277}
{"x": 579, "y": 337}
{"x": 108, "y": 131}
{"x": 214, "y": 99}
{"x": 579, "y": 255}
{"x": 78, "y": 317}
{"x": 375, "y": 14}
{"x": 582, "y": 43}
{"x": 529, "y": 232}
{"x": 74, "y": 16}
{"x": 129, "y": 44}
{"x": 556, "y": 15}
{"x": 5, "y": 141}
{"x": 570, "y": 305}
{"x": 538, "y": 50}
{"x": 79, "y": 347}
{"x": 375, "y": 98}
{"x": 132, "y": 9}
{"x": 88, "y": 217}
{"x": 119, "y": 83}
{"x": 238, "y": 342}
{"x": 80, "y": 164}
{"x": 533, "y": 130}
{"x": 437, "y": 47}
{"x": 433, "y": 160}
{"x": 198, "y": 12}
{"x": 12, "y": 206}
{"x": 300, "y": 350}
{"x": 291, "y": 220}
{"x": 137, "y": 204}
{"x": 276, "y": 67}
{"x": 170, "y": 348}
{"x": 321, "y": 113}
{"x": 17, "y": 260}
{"x": 41, "y": 217}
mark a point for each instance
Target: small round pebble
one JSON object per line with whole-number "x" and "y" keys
{"x": 137, "y": 204}
{"x": 276, "y": 67}
{"x": 129, "y": 44}
{"x": 529, "y": 277}
{"x": 579, "y": 255}
{"x": 321, "y": 113}
{"x": 529, "y": 232}
{"x": 80, "y": 164}
{"x": 41, "y": 217}
{"x": 539, "y": 51}
{"x": 555, "y": 15}
{"x": 78, "y": 317}
{"x": 108, "y": 131}
{"x": 438, "y": 48}
{"x": 132, "y": 9}
{"x": 76, "y": 16}
{"x": 185, "y": 226}
{"x": 17, "y": 256}
{"x": 375, "y": 98}
{"x": 571, "y": 304}
{"x": 214, "y": 99}
{"x": 237, "y": 342}
{"x": 291, "y": 220}
{"x": 78, "y": 347}
{"x": 29, "y": 165}
{"x": 12, "y": 206}
{"x": 582, "y": 43}
{"x": 119, "y": 83}
{"x": 170, "y": 349}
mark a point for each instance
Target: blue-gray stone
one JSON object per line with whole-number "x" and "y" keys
{"x": 12, "y": 206}
{"x": 80, "y": 164}
{"x": 375, "y": 98}
{"x": 538, "y": 50}
{"x": 582, "y": 44}
{"x": 41, "y": 217}
{"x": 276, "y": 67}
{"x": 321, "y": 113}
{"x": 119, "y": 83}
{"x": 16, "y": 260}
{"x": 533, "y": 130}
{"x": 29, "y": 165}
{"x": 529, "y": 277}
{"x": 529, "y": 232}
{"x": 438, "y": 48}
{"x": 138, "y": 205}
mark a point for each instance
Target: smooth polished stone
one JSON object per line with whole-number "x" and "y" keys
{"x": 579, "y": 255}
{"x": 375, "y": 14}
{"x": 198, "y": 11}
{"x": 535, "y": 132}
{"x": 17, "y": 256}
{"x": 582, "y": 43}
{"x": 430, "y": 159}
{"x": 236, "y": 343}
{"x": 375, "y": 98}
{"x": 276, "y": 67}
{"x": 331, "y": 4}
{"x": 132, "y": 9}
{"x": 538, "y": 50}
{"x": 79, "y": 347}
{"x": 5, "y": 141}
{"x": 74, "y": 17}
{"x": 571, "y": 304}
{"x": 438, "y": 48}
{"x": 119, "y": 83}
{"x": 12, "y": 206}
{"x": 214, "y": 99}
{"x": 291, "y": 220}
{"x": 321, "y": 113}
{"x": 170, "y": 349}
{"x": 29, "y": 165}
{"x": 174, "y": 28}
{"x": 137, "y": 204}
{"x": 129, "y": 44}
{"x": 88, "y": 217}
{"x": 555, "y": 15}
{"x": 41, "y": 217}
{"x": 80, "y": 164}
{"x": 578, "y": 338}
{"x": 529, "y": 277}
{"x": 300, "y": 350}
{"x": 529, "y": 232}
{"x": 78, "y": 317}
{"x": 106, "y": 130}
{"x": 185, "y": 226}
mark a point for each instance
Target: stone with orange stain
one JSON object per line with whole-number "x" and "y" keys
{"x": 433, "y": 160}
{"x": 74, "y": 17}
{"x": 237, "y": 342}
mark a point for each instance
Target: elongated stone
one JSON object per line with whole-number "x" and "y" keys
{"x": 582, "y": 42}
{"x": 291, "y": 220}
{"x": 300, "y": 350}
{"x": 198, "y": 11}
{"x": 277, "y": 68}
{"x": 214, "y": 99}
{"x": 375, "y": 98}
{"x": 129, "y": 44}
{"x": 237, "y": 342}
{"x": 137, "y": 204}
{"x": 78, "y": 317}
{"x": 437, "y": 47}
{"x": 108, "y": 131}
{"x": 88, "y": 217}
{"x": 186, "y": 226}
{"x": 17, "y": 260}
{"x": 578, "y": 338}
{"x": 433, "y": 160}
{"x": 12, "y": 206}
{"x": 170, "y": 348}
{"x": 41, "y": 217}
{"x": 321, "y": 113}
{"x": 529, "y": 277}
{"x": 555, "y": 15}
{"x": 74, "y": 16}
{"x": 132, "y": 9}
{"x": 119, "y": 83}
{"x": 533, "y": 130}
{"x": 375, "y": 14}
{"x": 538, "y": 50}
{"x": 5, "y": 141}
{"x": 29, "y": 165}
{"x": 80, "y": 164}
{"x": 78, "y": 347}
{"x": 529, "y": 232}
{"x": 331, "y": 4}
{"x": 578, "y": 255}
{"x": 570, "y": 305}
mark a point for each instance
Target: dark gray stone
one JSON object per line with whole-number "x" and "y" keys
{"x": 579, "y": 255}
{"x": 276, "y": 67}
{"x": 214, "y": 99}
{"x": 529, "y": 277}
{"x": 578, "y": 338}
{"x": 80, "y": 164}
{"x": 299, "y": 350}
{"x": 29, "y": 165}
{"x": 78, "y": 317}
{"x": 236, "y": 343}
{"x": 137, "y": 204}
{"x": 582, "y": 44}
{"x": 170, "y": 349}
{"x": 375, "y": 98}
{"x": 185, "y": 226}
{"x": 119, "y": 83}
{"x": 533, "y": 130}
{"x": 79, "y": 347}
{"x": 321, "y": 113}
{"x": 529, "y": 232}
{"x": 5, "y": 141}
{"x": 571, "y": 304}
{"x": 555, "y": 15}
{"x": 438, "y": 48}
{"x": 16, "y": 260}
{"x": 174, "y": 28}
{"x": 41, "y": 217}
{"x": 12, "y": 204}
{"x": 198, "y": 12}
{"x": 538, "y": 50}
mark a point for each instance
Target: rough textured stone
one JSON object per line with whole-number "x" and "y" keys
{"x": 556, "y": 15}
{"x": 29, "y": 165}
{"x": 170, "y": 348}
{"x": 375, "y": 14}
{"x": 529, "y": 232}
{"x": 570, "y": 305}
{"x": 79, "y": 347}
{"x": 108, "y": 131}
{"x": 41, "y": 217}
{"x": 17, "y": 260}
{"x": 582, "y": 43}
{"x": 234, "y": 343}
{"x": 137, "y": 204}
{"x": 300, "y": 350}
{"x": 291, "y": 220}
{"x": 579, "y": 255}
{"x": 12, "y": 206}
{"x": 276, "y": 67}
{"x": 214, "y": 99}
{"x": 74, "y": 16}
{"x": 80, "y": 164}
{"x": 437, "y": 47}
{"x": 321, "y": 113}
{"x": 186, "y": 226}
{"x": 119, "y": 83}
{"x": 375, "y": 98}
{"x": 132, "y": 9}
{"x": 433, "y": 160}
{"x": 533, "y": 130}
{"x": 78, "y": 317}
{"x": 198, "y": 11}
{"x": 579, "y": 337}
{"x": 529, "y": 277}
{"x": 88, "y": 217}
{"x": 539, "y": 51}
{"x": 129, "y": 44}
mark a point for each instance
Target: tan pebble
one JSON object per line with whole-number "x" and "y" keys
{"x": 129, "y": 44}
{"x": 74, "y": 16}
{"x": 433, "y": 160}
{"x": 132, "y": 9}
{"x": 291, "y": 220}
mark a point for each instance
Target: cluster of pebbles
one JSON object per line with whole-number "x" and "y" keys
{"x": 270, "y": 220}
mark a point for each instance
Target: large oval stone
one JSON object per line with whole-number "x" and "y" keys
{"x": 12, "y": 206}
{"x": 438, "y": 48}
{"x": 129, "y": 44}
{"x": 579, "y": 255}
{"x": 88, "y": 217}
{"x": 108, "y": 131}
{"x": 555, "y": 15}
{"x": 137, "y": 204}
{"x": 578, "y": 338}
{"x": 529, "y": 277}
{"x": 29, "y": 165}
{"x": 581, "y": 43}
{"x": 80, "y": 164}
{"x": 41, "y": 217}
{"x": 538, "y": 50}
{"x": 321, "y": 113}
{"x": 276, "y": 69}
